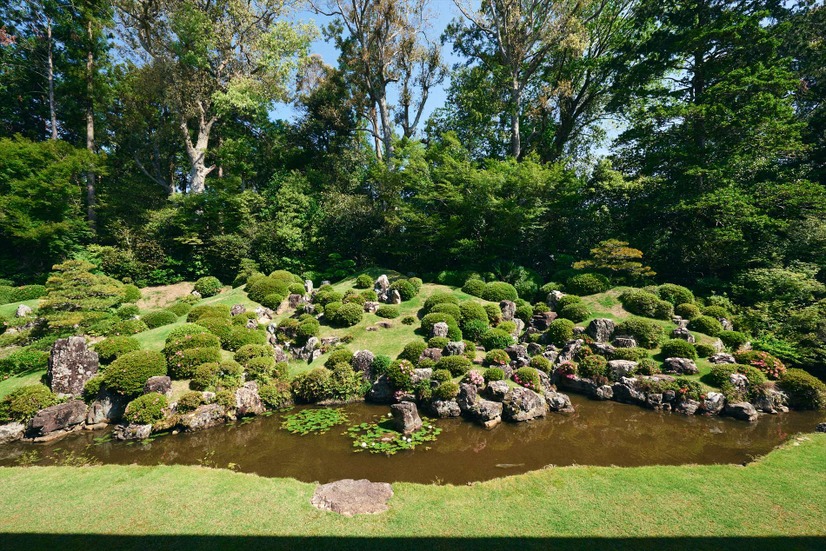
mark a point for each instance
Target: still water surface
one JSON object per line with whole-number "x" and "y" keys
{"x": 599, "y": 433}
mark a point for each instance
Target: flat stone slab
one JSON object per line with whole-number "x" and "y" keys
{"x": 350, "y": 497}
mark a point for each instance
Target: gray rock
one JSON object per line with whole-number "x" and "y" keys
{"x": 58, "y": 417}
{"x": 654, "y": 400}
{"x": 439, "y": 329}
{"x": 743, "y": 411}
{"x": 327, "y": 342}
{"x": 605, "y": 392}
{"x": 421, "y": 374}
{"x": 394, "y": 297}
{"x": 204, "y": 417}
{"x": 718, "y": 346}
{"x": 23, "y": 311}
{"x": 132, "y": 432}
{"x": 508, "y": 309}
{"x": 71, "y": 364}
{"x": 162, "y": 384}
{"x": 295, "y": 299}
{"x": 625, "y": 391}
{"x": 487, "y": 412}
{"x": 279, "y": 354}
{"x": 624, "y": 341}
{"x": 519, "y": 327}
{"x": 553, "y": 298}
{"x": 722, "y": 358}
{"x": 107, "y": 408}
{"x": 11, "y": 432}
{"x": 687, "y": 407}
{"x": 406, "y": 417}
{"x": 445, "y": 408}
{"x": 727, "y": 325}
{"x": 601, "y": 329}
{"x": 551, "y": 353}
{"x": 381, "y": 392}
{"x": 454, "y": 348}
{"x": 522, "y": 404}
{"x": 684, "y": 334}
{"x": 434, "y": 354}
{"x": 237, "y": 310}
{"x": 617, "y": 369}
{"x": 821, "y": 427}
{"x": 363, "y": 362}
{"x": 739, "y": 381}
{"x": 352, "y": 497}
{"x": 195, "y": 294}
{"x": 371, "y": 307}
{"x": 569, "y": 351}
{"x": 381, "y": 286}
{"x": 310, "y": 351}
{"x": 264, "y": 313}
{"x": 558, "y": 402}
{"x": 497, "y": 390}
{"x": 772, "y": 401}
{"x": 714, "y": 403}
{"x": 247, "y": 400}
{"x": 516, "y": 351}
{"x": 542, "y": 320}
{"x": 467, "y": 396}
{"x": 681, "y": 366}
{"x": 251, "y": 324}
{"x": 308, "y": 287}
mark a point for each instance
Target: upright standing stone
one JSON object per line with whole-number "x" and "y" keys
{"x": 508, "y": 309}
{"x": 71, "y": 364}
{"x": 406, "y": 417}
{"x": 308, "y": 286}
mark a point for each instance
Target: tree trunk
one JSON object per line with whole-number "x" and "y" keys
{"x": 374, "y": 121}
{"x": 198, "y": 170}
{"x": 386, "y": 127}
{"x": 90, "y": 128}
{"x": 516, "y": 99}
{"x": 50, "y": 71}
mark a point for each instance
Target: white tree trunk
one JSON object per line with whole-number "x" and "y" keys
{"x": 386, "y": 127}
{"x": 198, "y": 170}
{"x": 50, "y": 71}
{"x": 90, "y": 128}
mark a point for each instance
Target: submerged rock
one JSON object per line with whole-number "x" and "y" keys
{"x": 406, "y": 417}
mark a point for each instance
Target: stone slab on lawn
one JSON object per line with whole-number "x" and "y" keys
{"x": 350, "y": 497}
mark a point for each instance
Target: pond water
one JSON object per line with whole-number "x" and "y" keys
{"x": 599, "y": 433}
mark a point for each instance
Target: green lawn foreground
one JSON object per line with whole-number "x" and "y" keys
{"x": 783, "y": 494}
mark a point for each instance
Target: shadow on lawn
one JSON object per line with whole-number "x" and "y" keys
{"x": 63, "y": 542}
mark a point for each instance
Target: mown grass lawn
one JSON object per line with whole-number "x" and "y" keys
{"x": 782, "y": 494}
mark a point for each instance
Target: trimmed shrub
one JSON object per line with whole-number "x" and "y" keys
{"x": 524, "y": 312}
{"x": 412, "y": 351}
{"x": 347, "y": 315}
{"x": 432, "y": 319}
{"x": 675, "y": 294}
{"x": 25, "y": 360}
{"x": 719, "y": 374}
{"x": 417, "y": 283}
{"x": 260, "y": 288}
{"x": 128, "y": 373}
{"x": 345, "y": 384}
{"x": 92, "y": 387}
{"x": 439, "y": 297}
{"x": 648, "y": 366}
{"x": 127, "y": 311}
{"x": 180, "y": 308}
{"x": 226, "y": 398}
{"x": 497, "y": 356}
{"x": 541, "y": 363}
{"x": 494, "y": 313}
{"x": 364, "y": 281}
{"x": 175, "y": 345}
{"x": 400, "y": 374}
{"x": 448, "y": 308}
{"x": 127, "y": 327}
{"x": 146, "y": 409}
{"x": 311, "y": 386}
{"x": 575, "y": 312}
{"x": 733, "y": 339}
{"x": 474, "y": 329}
{"x": 587, "y": 284}
{"x": 388, "y": 311}
{"x": 688, "y": 389}
{"x": 182, "y": 365}
{"x": 678, "y": 348}
{"x": 275, "y": 395}
{"x": 21, "y": 404}
{"x": 187, "y": 329}
{"x": 687, "y": 311}
{"x": 631, "y": 354}
{"x": 441, "y": 375}
{"x": 159, "y": 318}
{"x": 208, "y": 286}
{"x": 261, "y": 369}
{"x": 470, "y": 350}
{"x": 308, "y": 327}
{"x": 457, "y": 365}
{"x": 325, "y": 296}
{"x": 220, "y": 327}
{"x": 208, "y": 311}
{"x": 496, "y": 291}
{"x": 296, "y": 289}
{"x": 493, "y": 374}
{"x": 438, "y": 342}
{"x": 559, "y": 332}
{"x": 273, "y": 300}
{"x": 369, "y": 294}
{"x": 472, "y": 311}
{"x": 475, "y": 287}
{"x": 528, "y": 378}
{"x": 337, "y": 356}
{"x": 448, "y": 390}
{"x": 241, "y": 336}
{"x": 496, "y": 338}
{"x": 109, "y": 349}
{"x": 567, "y": 300}
{"x": 189, "y": 401}
{"x": 593, "y": 366}
{"x": 704, "y": 350}
{"x": 643, "y": 303}
{"x": 243, "y": 319}
{"x": 647, "y": 333}
{"x": 213, "y": 375}
{"x": 130, "y": 293}
{"x": 250, "y": 351}
{"x": 331, "y": 308}
{"x": 765, "y": 362}
{"x": 706, "y": 324}
{"x": 716, "y": 312}
{"x": 805, "y": 391}
{"x": 406, "y": 289}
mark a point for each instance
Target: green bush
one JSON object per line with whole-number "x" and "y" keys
{"x": 733, "y": 339}
{"x": 25, "y": 360}
{"x": 331, "y": 309}
{"x": 308, "y": 327}
{"x": 497, "y": 291}
{"x": 129, "y": 372}
{"x": 678, "y": 348}
{"x": 541, "y": 363}
{"x": 524, "y": 312}
{"x": 208, "y": 286}
{"x": 130, "y": 293}
{"x": 260, "y": 288}
{"x": 180, "y": 308}
{"x": 496, "y": 338}
{"x": 493, "y": 374}
{"x": 387, "y": 311}
{"x": 241, "y": 336}
{"x": 706, "y": 324}
{"x": 182, "y": 365}
{"x": 805, "y": 391}
{"x": 187, "y": 329}
{"x": 688, "y": 389}
{"x": 127, "y": 327}
{"x": 648, "y": 366}
{"x": 159, "y": 318}
{"x": 432, "y": 319}
{"x": 417, "y": 283}
{"x": 497, "y": 356}
{"x": 474, "y": 329}
{"x": 243, "y": 319}
{"x": 446, "y": 391}
{"x": 631, "y": 354}
{"x": 311, "y": 386}
{"x": 250, "y": 351}
{"x": 588, "y": 284}
{"x": 448, "y": 308}
{"x": 23, "y": 403}
{"x": 261, "y": 369}
{"x": 643, "y": 303}
{"x": 457, "y": 365}
{"x": 765, "y": 362}
{"x": 189, "y": 401}
{"x": 345, "y": 384}
{"x": 527, "y": 377}
{"x": 438, "y": 342}
{"x": 175, "y": 344}
{"x": 406, "y": 289}
{"x": 127, "y": 311}
{"x": 716, "y": 312}
{"x": 324, "y": 296}
{"x": 675, "y": 294}
{"x": 593, "y": 366}
{"x": 566, "y": 301}
{"x": 220, "y": 327}
{"x": 364, "y": 281}
{"x": 276, "y": 395}
{"x": 439, "y": 297}
{"x": 92, "y": 387}
{"x": 296, "y": 289}
{"x": 347, "y": 315}
{"x": 559, "y": 332}
{"x": 494, "y": 313}
{"x": 475, "y": 287}
{"x": 412, "y": 351}
{"x": 226, "y": 398}
{"x": 208, "y": 310}
{"x": 575, "y": 312}
{"x": 687, "y": 311}
{"x": 226, "y": 375}
{"x": 704, "y": 350}
{"x": 441, "y": 375}
{"x": 272, "y": 300}
{"x": 472, "y": 311}
{"x": 369, "y": 295}
{"x": 647, "y": 333}
{"x": 337, "y": 356}
{"x": 400, "y": 374}
{"x": 146, "y": 409}
{"x": 354, "y": 297}
{"x": 719, "y": 374}
{"x": 109, "y": 349}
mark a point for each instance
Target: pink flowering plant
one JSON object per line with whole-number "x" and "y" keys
{"x": 567, "y": 370}
{"x": 474, "y": 377}
{"x": 527, "y": 377}
{"x": 772, "y": 367}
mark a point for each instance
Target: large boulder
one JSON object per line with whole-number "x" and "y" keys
{"x": 687, "y": 407}
{"x": 363, "y": 363}
{"x": 713, "y": 404}
{"x": 680, "y": 366}
{"x": 625, "y": 391}
{"x": 406, "y": 417}
{"x": 108, "y": 407}
{"x": 508, "y": 308}
{"x": 204, "y": 417}
{"x": 497, "y": 390}
{"x": 522, "y": 404}
{"x": 71, "y": 364}
{"x": 11, "y": 432}
{"x": 467, "y": 396}
{"x": 617, "y": 369}
{"x": 58, "y": 417}
{"x": 743, "y": 411}
{"x": 569, "y": 351}
{"x": 381, "y": 392}
{"x": 23, "y": 311}
{"x": 516, "y": 351}
{"x": 434, "y": 354}
{"x": 394, "y": 297}
{"x": 247, "y": 400}
{"x": 553, "y": 298}
{"x": 624, "y": 341}
{"x": 295, "y": 299}
{"x": 421, "y": 374}
{"x": 445, "y": 408}
{"x": 381, "y": 286}
{"x": 352, "y": 497}
{"x": 722, "y": 358}
{"x": 308, "y": 286}
{"x": 558, "y": 402}
{"x": 683, "y": 334}
{"x": 162, "y": 384}
{"x": 542, "y": 321}
{"x": 371, "y": 307}
{"x": 601, "y": 329}
{"x": 454, "y": 348}
{"x": 132, "y": 432}
{"x": 439, "y": 329}
{"x": 772, "y": 400}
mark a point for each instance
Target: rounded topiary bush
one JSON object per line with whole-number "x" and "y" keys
{"x": 497, "y": 357}
{"x": 575, "y": 312}
{"x": 308, "y": 327}
{"x": 406, "y": 289}
{"x": 524, "y": 312}
{"x": 146, "y": 409}
{"x": 528, "y": 378}
{"x": 474, "y": 329}
{"x": 263, "y": 287}
{"x": 241, "y": 336}
{"x": 363, "y": 281}
{"x": 448, "y": 308}
{"x": 21, "y": 404}
{"x": 457, "y": 365}
{"x": 687, "y": 311}
{"x": 353, "y": 296}
{"x": 675, "y": 294}
{"x": 175, "y": 344}
{"x": 496, "y": 291}
{"x": 716, "y": 312}
{"x": 447, "y": 390}
{"x": 472, "y": 311}
{"x": 183, "y": 364}
{"x": 208, "y": 286}
{"x": 438, "y": 342}
{"x": 273, "y": 300}
{"x": 250, "y": 351}
{"x": 593, "y": 367}
{"x": 474, "y": 287}
{"x": 331, "y": 309}
{"x": 678, "y": 348}
{"x": 311, "y": 386}
{"x": 805, "y": 391}
{"x": 128, "y": 373}
{"x": 187, "y": 329}
{"x": 496, "y": 338}
{"x": 400, "y": 374}
{"x": 559, "y": 332}
{"x": 224, "y": 375}
{"x": 261, "y": 369}
{"x": 208, "y": 311}
{"x": 348, "y": 315}
{"x": 433, "y": 318}
{"x": 706, "y": 324}
{"x": 649, "y": 305}
{"x": 439, "y": 297}
{"x": 412, "y": 351}
{"x": 127, "y": 311}
{"x": 720, "y": 374}
{"x": 275, "y": 395}
{"x": 159, "y": 318}
{"x": 337, "y": 356}
{"x": 24, "y": 360}
{"x": 648, "y": 366}
{"x": 180, "y": 308}
{"x": 130, "y": 293}
{"x": 567, "y": 300}
{"x": 704, "y": 350}
{"x": 646, "y": 332}
{"x": 127, "y": 327}
{"x": 493, "y": 374}
{"x": 733, "y": 340}
{"x": 326, "y": 295}
{"x": 189, "y": 401}
{"x": 765, "y": 362}
{"x": 110, "y": 348}
{"x": 441, "y": 375}
{"x": 541, "y": 363}
{"x": 587, "y": 284}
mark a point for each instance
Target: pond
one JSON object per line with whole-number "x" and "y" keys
{"x": 599, "y": 433}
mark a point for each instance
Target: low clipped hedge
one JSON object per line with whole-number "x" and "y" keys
{"x": 24, "y": 360}
{"x": 178, "y": 343}
{"x": 146, "y": 409}
{"x": 215, "y": 375}
{"x": 593, "y": 366}
{"x": 496, "y": 291}
{"x": 111, "y": 348}
{"x": 678, "y": 348}
{"x": 687, "y": 311}
{"x": 208, "y": 310}
{"x": 184, "y": 330}
{"x": 129, "y": 372}
{"x": 127, "y": 327}
{"x": 21, "y": 404}
{"x": 805, "y": 390}
{"x": 250, "y": 351}
{"x": 733, "y": 340}
{"x": 587, "y": 284}
{"x": 649, "y": 305}
{"x": 208, "y": 286}
{"x": 448, "y": 308}
{"x": 159, "y": 318}
{"x": 184, "y": 363}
